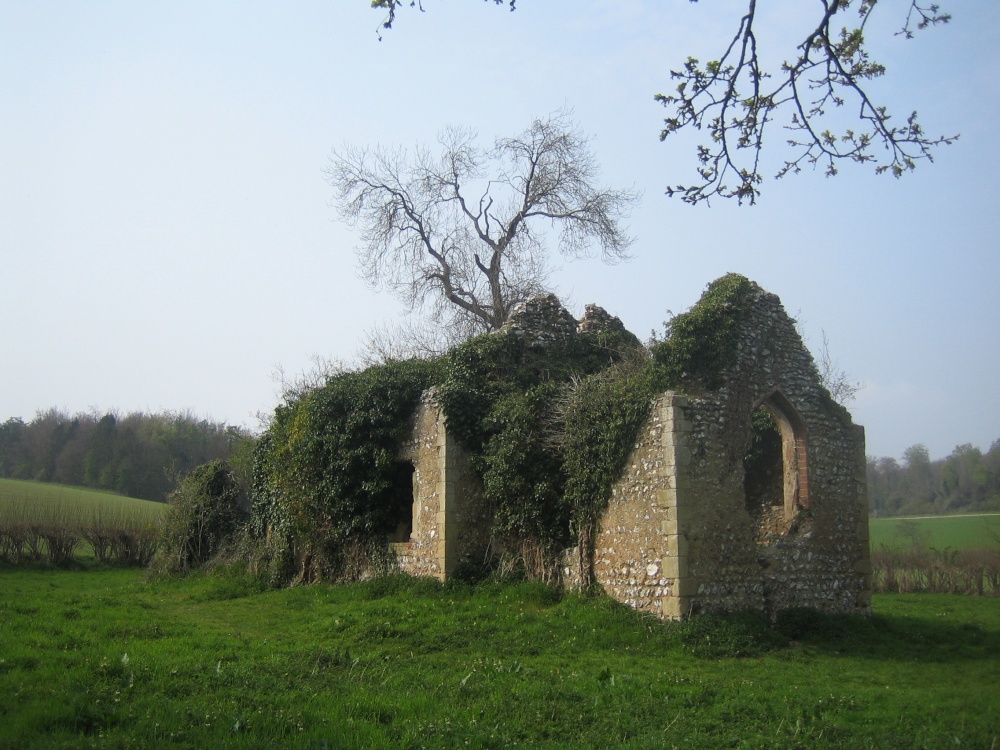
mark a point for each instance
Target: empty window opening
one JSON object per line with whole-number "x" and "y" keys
{"x": 774, "y": 469}
{"x": 401, "y": 498}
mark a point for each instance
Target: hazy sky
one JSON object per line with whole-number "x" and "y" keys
{"x": 166, "y": 236}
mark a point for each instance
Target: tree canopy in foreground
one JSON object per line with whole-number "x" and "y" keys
{"x": 737, "y": 100}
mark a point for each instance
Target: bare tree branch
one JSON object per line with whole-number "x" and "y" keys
{"x": 842, "y": 389}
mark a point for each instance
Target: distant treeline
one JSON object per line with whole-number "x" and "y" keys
{"x": 140, "y": 455}
{"x": 968, "y": 480}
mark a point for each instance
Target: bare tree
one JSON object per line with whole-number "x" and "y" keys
{"x": 410, "y": 338}
{"x": 842, "y": 389}
{"x": 463, "y": 233}
{"x": 837, "y": 382}
{"x": 736, "y": 100}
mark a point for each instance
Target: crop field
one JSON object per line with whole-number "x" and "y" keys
{"x": 971, "y": 532}
{"x": 62, "y": 524}
{"x": 102, "y": 657}
{"x": 48, "y": 501}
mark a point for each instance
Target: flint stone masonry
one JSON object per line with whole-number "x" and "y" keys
{"x": 542, "y": 321}
{"x": 677, "y": 538}
{"x": 680, "y": 535}
{"x": 598, "y": 321}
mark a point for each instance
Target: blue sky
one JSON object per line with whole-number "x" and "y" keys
{"x": 167, "y": 239}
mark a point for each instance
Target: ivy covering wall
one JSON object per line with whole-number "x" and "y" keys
{"x": 549, "y": 429}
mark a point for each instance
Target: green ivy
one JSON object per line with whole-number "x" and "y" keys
{"x": 503, "y": 401}
{"x": 549, "y": 428}
{"x": 325, "y": 467}
{"x": 522, "y": 468}
{"x": 702, "y": 342}
{"x": 603, "y": 416}
{"x": 475, "y": 376}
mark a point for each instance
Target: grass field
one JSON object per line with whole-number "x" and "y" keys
{"x": 48, "y": 501}
{"x": 957, "y": 532}
{"x": 99, "y": 658}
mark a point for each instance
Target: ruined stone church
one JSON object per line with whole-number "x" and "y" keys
{"x": 697, "y": 522}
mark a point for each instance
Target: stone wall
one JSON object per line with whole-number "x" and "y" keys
{"x": 639, "y": 556}
{"x": 542, "y": 321}
{"x": 450, "y": 525}
{"x": 678, "y": 538}
{"x": 682, "y": 534}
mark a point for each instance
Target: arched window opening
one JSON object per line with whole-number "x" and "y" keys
{"x": 399, "y": 524}
{"x": 775, "y": 483}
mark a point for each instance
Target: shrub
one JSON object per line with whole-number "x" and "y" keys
{"x": 60, "y": 542}
{"x": 204, "y": 513}
{"x": 947, "y": 571}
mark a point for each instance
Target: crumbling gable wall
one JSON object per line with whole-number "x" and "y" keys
{"x": 745, "y": 487}
{"x": 449, "y": 524}
{"x": 680, "y": 536}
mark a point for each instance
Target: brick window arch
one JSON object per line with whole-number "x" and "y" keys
{"x": 776, "y": 470}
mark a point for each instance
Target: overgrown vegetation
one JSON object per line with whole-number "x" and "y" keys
{"x": 549, "y": 429}
{"x": 505, "y": 401}
{"x": 603, "y": 415}
{"x": 323, "y": 471}
{"x": 203, "y": 514}
{"x": 97, "y": 658}
{"x": 700, "y": 343}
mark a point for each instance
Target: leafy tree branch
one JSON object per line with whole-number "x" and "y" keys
{"x": 736, "y": 101}
{"x": 740, "y": 104}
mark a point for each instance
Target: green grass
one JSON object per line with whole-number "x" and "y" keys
{"x": 47, "y": 501}
{"x": 100, "y": 658}
{"x": 957, "y": 532}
